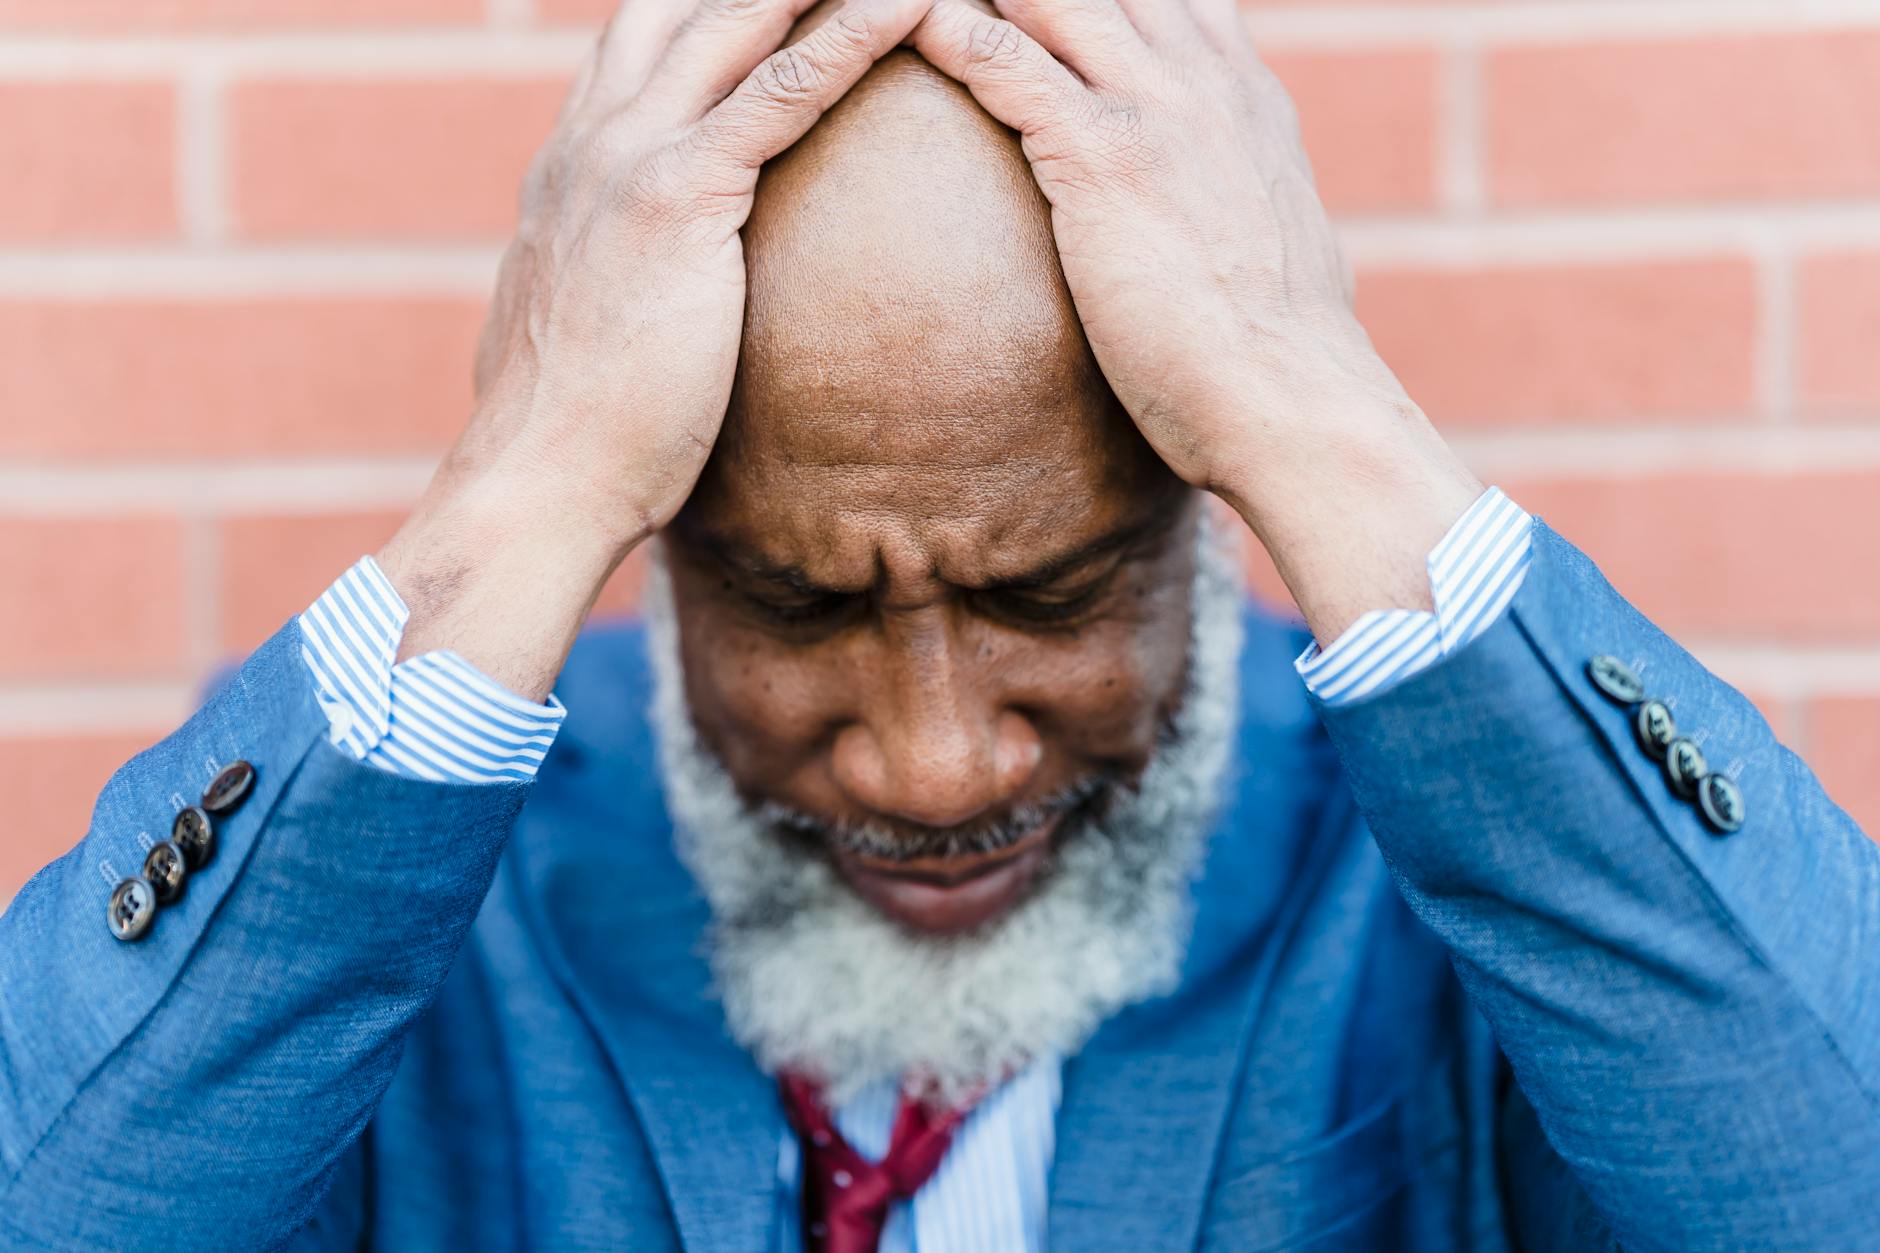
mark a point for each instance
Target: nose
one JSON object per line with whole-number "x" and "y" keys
{"x": 933, "y": 744}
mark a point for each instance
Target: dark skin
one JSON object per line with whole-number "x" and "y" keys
{"x": 904, "y": 355}
{"x": 931, "y": 574}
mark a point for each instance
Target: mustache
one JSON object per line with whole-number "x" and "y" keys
{"x": 913, "y": 843}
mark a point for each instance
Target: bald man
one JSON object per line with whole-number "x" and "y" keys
{"x": 951, "y": 862}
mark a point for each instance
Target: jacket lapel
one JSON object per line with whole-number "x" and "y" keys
{"x": 1146, "y": 1103}
{"x": 712, "y": 1118}
{"x": 1143, "y": 1106}
{"x": 628, "y": 927}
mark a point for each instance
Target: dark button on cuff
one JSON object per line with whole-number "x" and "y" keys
{"x": 1720, "y": 800}
{"x": 1655, "y": 728}
{"x": 133, "y": 908}
{"x": 229, "y": 788}
{"x": 167, "y": 870}
{"x": 194, "y": 833}
{"x": 1685, "y": 767}
{"x": 1616, "y": 679}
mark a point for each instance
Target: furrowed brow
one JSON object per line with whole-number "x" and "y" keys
{"x": 1057, "y": 566}
{"x": 757, "y": 566}
{"x": 1062, "y": 565}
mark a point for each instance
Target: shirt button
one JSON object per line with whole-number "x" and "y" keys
{"x": 820, "y": 1138}
{"x": 842, "y": 1179}
{"x": 194, "y": 833}
{"x": 229, "y": 788}
{"x": 1685, "y": 767}
{"x": 1616, "y": 679}
{"x": 167, "y": 870}
{"x": 1655, "y": 728}
{"x": 133, "y": 908}
{"x": 1720, "y": 800}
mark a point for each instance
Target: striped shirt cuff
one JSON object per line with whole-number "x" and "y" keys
{"x": 433, "y": 717}
{"x": 1475, "y": 570}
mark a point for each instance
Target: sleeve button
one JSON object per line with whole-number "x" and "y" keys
{"x": 167, "y": 870}
{"x": 1655, "y": 728}
{"x": 1616, "y": 679}
{"x": 1685, "y": 767}
{"x": 1720, "y": 800}
{"x": 133, "y": 908}
{"x": 229, "y": 788}
{"x": 194, "y": 833}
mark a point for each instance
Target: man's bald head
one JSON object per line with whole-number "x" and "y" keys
{"x": 904, "y": 284}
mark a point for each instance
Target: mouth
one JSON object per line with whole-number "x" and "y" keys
{"x": 948, "y": 895}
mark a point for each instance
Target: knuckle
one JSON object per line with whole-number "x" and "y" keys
{"x": 1120, "y": 133}
{"x": 994, "y": 44}
{"x": 655, "y": 189}
{"x": 850, "y": 32}
{"x": 787, "y": 76}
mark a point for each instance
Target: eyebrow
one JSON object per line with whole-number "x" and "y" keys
{"x": 1050, "y": 570}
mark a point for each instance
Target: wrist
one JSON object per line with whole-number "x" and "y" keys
{"x": 501, "y": 570}
{"x": 1350, "y": 507}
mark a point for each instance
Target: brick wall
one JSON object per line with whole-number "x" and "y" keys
{"x": 1626, "y": 251}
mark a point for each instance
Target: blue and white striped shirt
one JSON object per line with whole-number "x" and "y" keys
{"x": 438, "y": 717}
{"x": 432, "y": 717}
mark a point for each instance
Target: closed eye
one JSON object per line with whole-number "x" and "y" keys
{"x": 1039, "y": 607}
{"x": 792, "y": 610}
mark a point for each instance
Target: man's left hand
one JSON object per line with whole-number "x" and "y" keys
{"x": 1210, "y": 284}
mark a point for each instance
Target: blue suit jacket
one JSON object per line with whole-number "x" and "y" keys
{"x": 1554, "y": 1013}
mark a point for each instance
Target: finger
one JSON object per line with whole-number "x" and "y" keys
{"x": 1223, "y": 26}
{"x": 1009, "y": 73}
{"x": 717, "y": 47}
{"x": 1093, "y": 37}
{"x": 782, "y": 98}
{"x": 630, "y": 45}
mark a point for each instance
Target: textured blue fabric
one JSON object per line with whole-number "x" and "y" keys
{"x": 1685, "y": 1035}
{"x": 437, "y": 717}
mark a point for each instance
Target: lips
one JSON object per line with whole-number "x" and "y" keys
{"x": 950, "y": 895}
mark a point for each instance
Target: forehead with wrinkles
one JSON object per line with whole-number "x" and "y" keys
{"x": 913, "y": 376}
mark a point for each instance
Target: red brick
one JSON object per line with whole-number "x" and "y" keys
{"x": 1844, "y": 749}
{"x": 1727, "y": 554}
{"x": 51, "y": 784}
{"x": 111, "y": 16}
{"x": 1838, "y": 325}
{"x": 410, "y": 159}
{"x": 89, "y": 161}
{"x": 1369, "y": 120}
{"x": 1526, "y": 345}
{"x": 1682, "y": 120}
{"x": 576, "y": 12}
{"x": 274, "y": 566}
{"x": 227, "y": 378}
{"x": 91, "y": 597}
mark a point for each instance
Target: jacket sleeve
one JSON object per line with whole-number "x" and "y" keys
{"x": 1693, "y": 1016}
{"x": 197, "y": 1088}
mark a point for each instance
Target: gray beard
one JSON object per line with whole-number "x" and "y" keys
{"x": 816, "y": 981}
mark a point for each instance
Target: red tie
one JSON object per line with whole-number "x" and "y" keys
{"x": 846, "y": 1196}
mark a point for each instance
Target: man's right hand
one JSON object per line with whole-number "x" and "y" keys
{"x": 607, "y": 362}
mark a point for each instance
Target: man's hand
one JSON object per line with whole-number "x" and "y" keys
{"x": 607, "y": 362}
{"x": 1209, "y": 282}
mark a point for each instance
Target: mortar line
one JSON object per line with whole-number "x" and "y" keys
{"x": 1460, "y": 147}
{"x": 494, "y": 47}
{"x": 201, "y": 157}
{"x": 1776, "y": 330}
